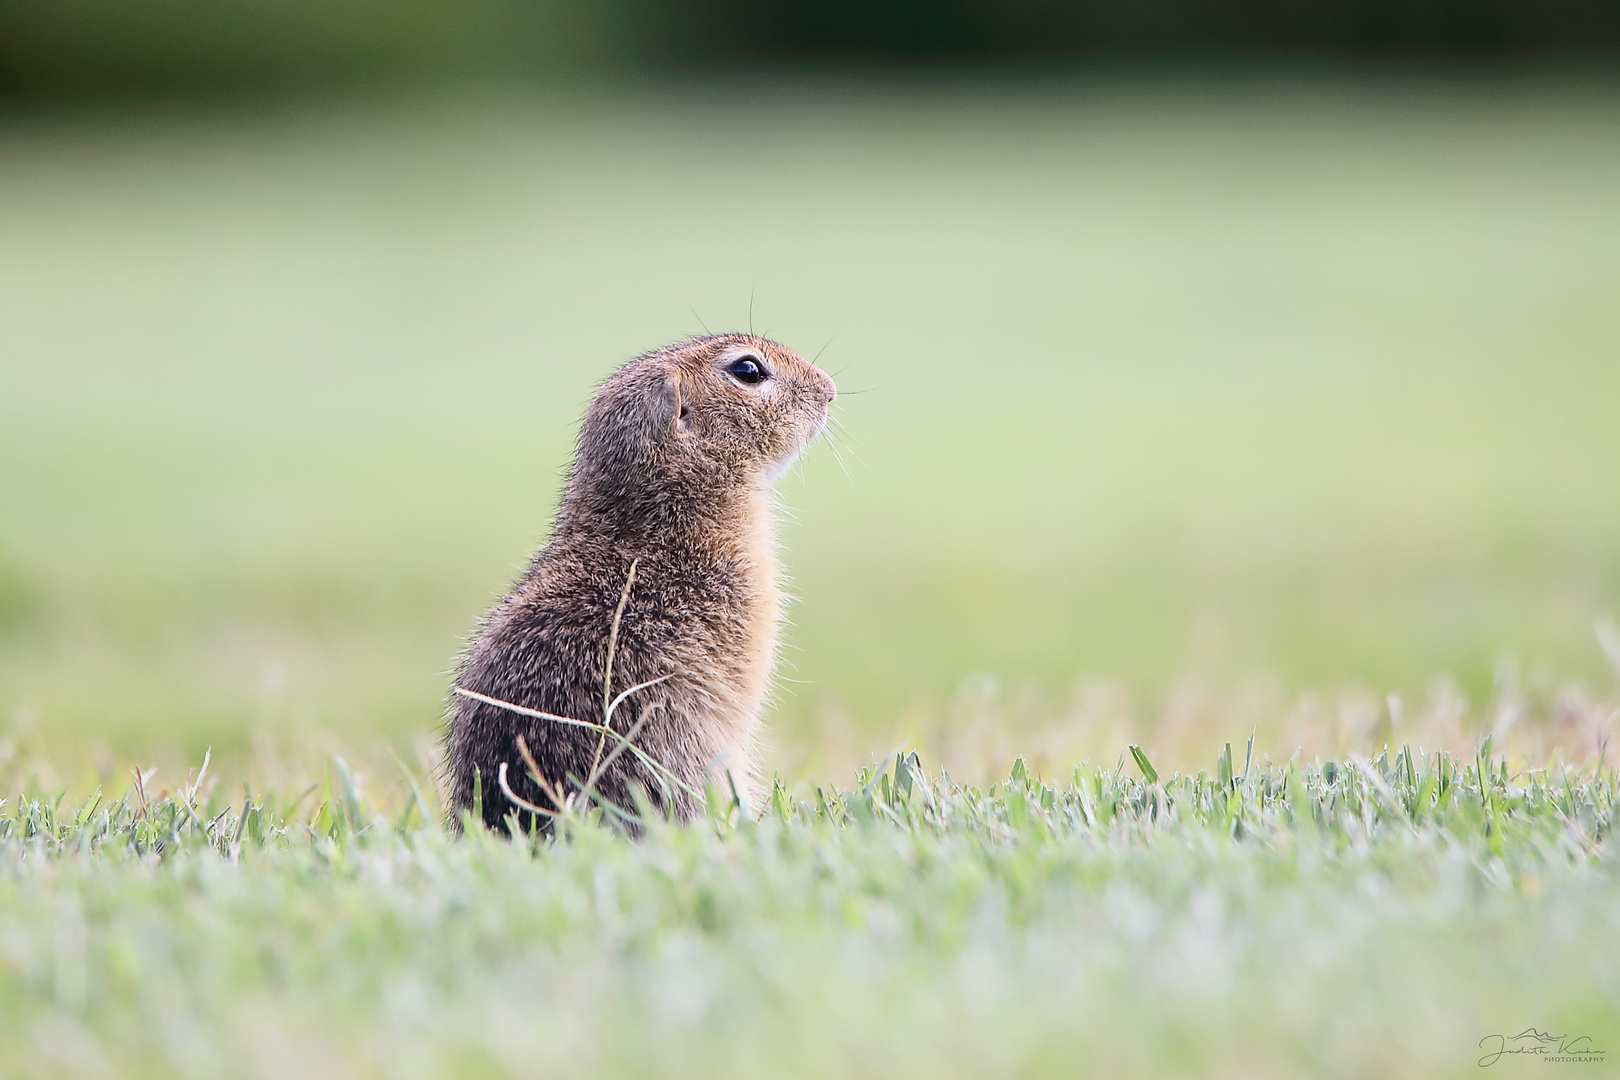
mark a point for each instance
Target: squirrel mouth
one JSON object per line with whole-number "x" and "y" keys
{"x": 780, "y": 467}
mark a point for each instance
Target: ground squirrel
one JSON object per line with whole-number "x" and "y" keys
{"x": 663, "y": 542}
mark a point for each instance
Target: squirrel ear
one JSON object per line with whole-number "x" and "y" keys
{"x": 669, "y": 406}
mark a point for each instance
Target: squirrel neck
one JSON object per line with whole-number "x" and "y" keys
{"x": 677, "y": 520}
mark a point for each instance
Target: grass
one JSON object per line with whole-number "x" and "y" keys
{"x": 1336, "y": 918}
{"x": 1202, "y": 395}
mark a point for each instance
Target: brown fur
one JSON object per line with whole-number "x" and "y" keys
{"x": 672, "y": 473}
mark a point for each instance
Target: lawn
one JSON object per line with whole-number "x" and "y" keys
{"x": 1407, "y": 916}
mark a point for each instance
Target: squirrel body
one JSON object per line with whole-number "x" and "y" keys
{"x": 662, "y": 554}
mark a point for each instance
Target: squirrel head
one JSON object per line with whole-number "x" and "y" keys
{"x": 719, "y": 411}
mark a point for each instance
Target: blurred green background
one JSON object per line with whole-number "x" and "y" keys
{"x": 1218, "y": 383}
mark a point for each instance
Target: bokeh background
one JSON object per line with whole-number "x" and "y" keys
{"x": 1222, "y": 365}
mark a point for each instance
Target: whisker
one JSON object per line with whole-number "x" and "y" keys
{"x": 838, "y": 457}
{"x": 850, "y": 442}
{"x": 851, "y": 452}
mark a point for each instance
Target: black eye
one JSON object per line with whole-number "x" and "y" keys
{"x": 747, "y": 370}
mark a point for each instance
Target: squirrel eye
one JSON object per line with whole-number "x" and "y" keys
{"x": 747, "y": 370}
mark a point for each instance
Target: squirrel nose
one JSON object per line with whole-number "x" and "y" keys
{"x": 829, "y": 389}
